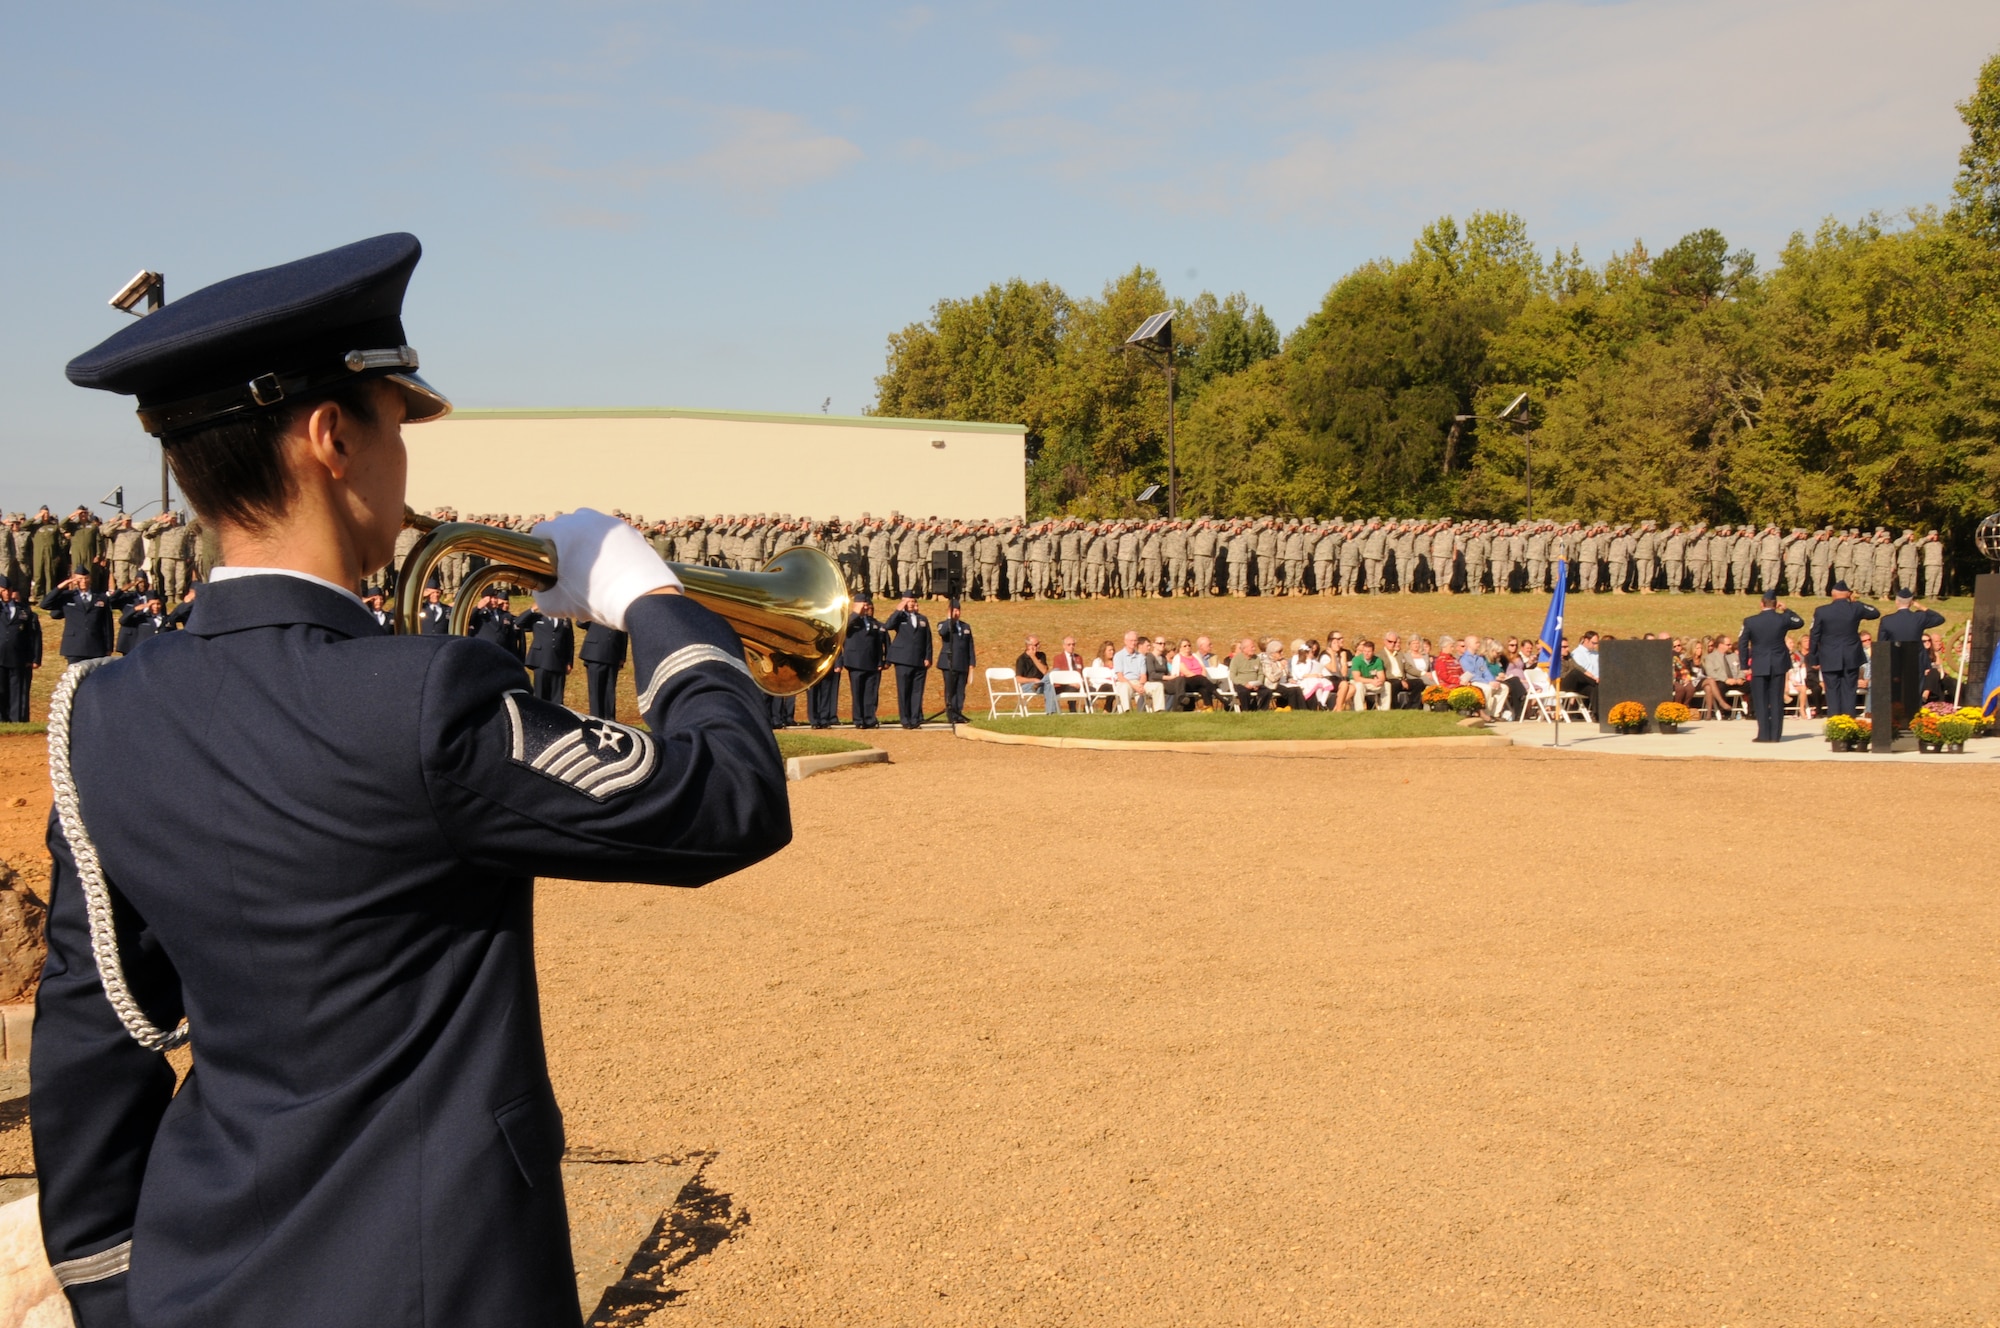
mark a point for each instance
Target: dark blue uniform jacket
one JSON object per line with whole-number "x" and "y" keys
{"x": 1835, "y": 643}
{"x": 328, "y": 866}
{"x": 910, "y": 638}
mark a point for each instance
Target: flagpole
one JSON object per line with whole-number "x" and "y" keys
{"x": 1964, "y": 663}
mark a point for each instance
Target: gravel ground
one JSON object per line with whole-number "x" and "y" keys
{"x": 1016, "y": 1036}
{"x": 1031, "y": 1037}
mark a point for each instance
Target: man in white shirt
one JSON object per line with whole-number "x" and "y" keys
{"x": 1131, "y": 682}
{"x": 1581, "y": 675}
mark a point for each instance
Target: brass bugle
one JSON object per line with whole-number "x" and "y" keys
{"x": 791, "y": 616}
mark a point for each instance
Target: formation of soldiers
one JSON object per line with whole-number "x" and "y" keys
{"x": 41, "y": 552}
{"x": 896, "y": 555}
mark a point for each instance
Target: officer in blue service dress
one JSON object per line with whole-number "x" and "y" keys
{"x": 956, "y": 658}
{"x": 823, "y": 699}
{"x": 20, "y": 653}
{"x": 864, "y": 654}
{"x": 1767, "y": 659}
{"x": 89, "y": 623}
{"x": 910, "y": 651}
{"x": 551, "y": 652}
{"x": 345, "y": 929}
{"x": 1834, "y": 646}
{"x": 603, "y": 655}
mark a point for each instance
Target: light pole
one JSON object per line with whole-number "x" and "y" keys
{"x": 151, "y": 287}
{"x": 1514, "y": 415}
{"x": 1157, "y": 334}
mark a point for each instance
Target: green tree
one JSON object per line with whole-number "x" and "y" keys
{"x": 1977, "y": 192}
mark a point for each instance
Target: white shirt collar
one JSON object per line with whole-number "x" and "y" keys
{"x": 232, "y": 573}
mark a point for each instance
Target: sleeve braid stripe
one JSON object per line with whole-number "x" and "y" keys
{"x": 90, "y": 872}
{"x": 686, "y": 658}
{"x": 94, "y": 1267}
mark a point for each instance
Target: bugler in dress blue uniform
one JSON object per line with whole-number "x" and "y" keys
{"x": 368, "y": 1136}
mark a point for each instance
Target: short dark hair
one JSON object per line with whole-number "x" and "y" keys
{"x": 234, "y": 469}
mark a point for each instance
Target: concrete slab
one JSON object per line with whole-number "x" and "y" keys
{"x": 805, "y": 767}
{"x": 613, "y": 1208}
{"x": 1471, "y": 740}
{"x": 1731, "y": 740}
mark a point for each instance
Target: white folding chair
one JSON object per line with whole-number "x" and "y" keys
{"x": 1068, "y": 688}
{"x": 1100, "y": 682}
{"x": 1225, "y": 690}
{"x": 1546, "y": 703}
{"x": 1003, "y": 694}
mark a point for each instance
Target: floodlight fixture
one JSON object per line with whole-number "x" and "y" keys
{"x": 1157, "y": 334}
{"x": 1513, "y": 406}
{"x": 1150, "y": 493}
{"x": 116, "y": 498}
{"x": 149, "y": 286}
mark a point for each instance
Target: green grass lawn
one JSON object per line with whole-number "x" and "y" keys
{"x": 1221, "y": 726}
{"x": 815, "y": 744}
{"x": 9, "y": 730}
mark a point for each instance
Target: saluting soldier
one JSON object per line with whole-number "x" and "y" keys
{"x": 1041, "y": 551}
{"x": 494, "y": 621}
{"x": 1819, "y": 560}
{"x": 46, "y": 548}
{"x": 89, "y": 630}
{"x": 1589, "y": 552}
{"x": 1202, "y": 545}
{"x": 1834, "y": 646}
{"x": 1070, "y": 551}
{"x": 1538, "y": 558}
{"x": 1478, "y": 557}
{"x": 1796, "y": 546}
{"x": 910, "y": 650}
{"x": 1883, "y": 579}
{"x": 1743, "y": 559}
{"x": 986, "y": 549}
{"x": 1174, "y": 548}
{"x": 956, "y": 659}
{"x": 1932, "y": 550}
{"x": 1673, "y": 554}
{"x": 1646, "y": 555}
{"x": 864, "y": 654}
{"x": 1767, "y": 659}
{"x": 1907, "y": 561}
{"x": 370, "y": 1137}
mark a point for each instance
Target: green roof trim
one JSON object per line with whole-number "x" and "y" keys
{"x": 742, "y": 416}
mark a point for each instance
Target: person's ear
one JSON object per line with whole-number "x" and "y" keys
{"x": 328, "y": 430}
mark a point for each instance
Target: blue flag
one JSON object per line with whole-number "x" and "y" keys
{"x": 1552, "y": 626}
{"x": 1992, "y": 706}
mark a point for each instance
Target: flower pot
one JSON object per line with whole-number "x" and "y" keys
{"x": 1954, "y": 747}
{"x": 1668, "y": 728}
{"x": 1924, "y": 745}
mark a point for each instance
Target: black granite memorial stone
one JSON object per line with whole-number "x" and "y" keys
{"x": 1641, "y": 671}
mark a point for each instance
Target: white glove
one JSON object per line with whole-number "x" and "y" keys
{"x": 602, "y": 565}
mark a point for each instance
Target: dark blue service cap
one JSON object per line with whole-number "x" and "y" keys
{"x": 1840, "y": 586}
{"x": 252, "y": 342}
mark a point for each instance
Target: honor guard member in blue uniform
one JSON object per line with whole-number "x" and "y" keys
{"x": 20, "y": 653}
{"x": 1767, "y": 660}
{"x": 603, "y": 655}
{"x": 1834, "y": 646}
{"x": 494, "y": 621}
{"x": 864, "y": 654}
{"x": 956, "y": 658}
{"x": 910, "y": 651}
{"x": 87, "y": 619}
{"x": 551, "y": 652}
{"x": 433, "y": 619}
{"x": 368, "y": 1136}
{"x": 823, "y": 699}
{"x": 1910, "y": 620}
{"x": 372, "y": 601}
{"x": 142, "y": 624}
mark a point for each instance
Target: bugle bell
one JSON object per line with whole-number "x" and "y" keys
{"x": 790, "y": 616}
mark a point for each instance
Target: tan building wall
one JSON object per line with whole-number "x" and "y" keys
{"x": 669, "y": 463}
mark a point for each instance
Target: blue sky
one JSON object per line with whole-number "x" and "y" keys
{"x": 731, "y": 206}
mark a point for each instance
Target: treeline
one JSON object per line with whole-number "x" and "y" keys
{"x": 1857, "y": 383}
